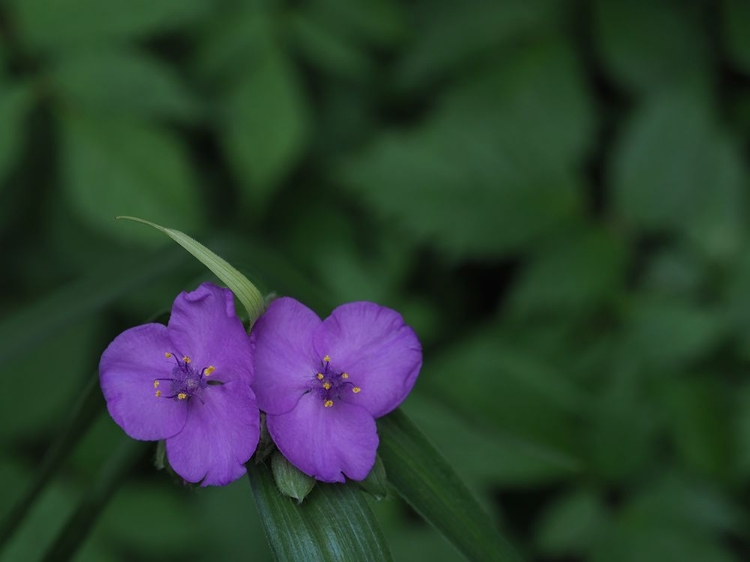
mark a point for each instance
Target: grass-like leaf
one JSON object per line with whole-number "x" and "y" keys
{"x": 113, "y": 473}
{"x": 425, "y": 480}
{"x": 246, "y": 292}
{"x": 84, "y": 412}
{"x": 333, "y": 523}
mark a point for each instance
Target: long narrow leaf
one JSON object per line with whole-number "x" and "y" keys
{"x": 425, "y": 480}
{"x": 113, "y": 473}
{"x": 246, "y": 292}
{"x": 333, "y": 523}
{"x": 85, "y": 411}
{"x": 90, "y": 404}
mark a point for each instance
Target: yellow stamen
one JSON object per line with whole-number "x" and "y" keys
{"x": 186, "y": 359}
{"x": 181, "y": 396}
{"x": 210, "y": 369}
{"x": 156, "y": 384}
{"x": 326, "y": 385}
{"x": 158, "y": 393}
{"x": 356, "y": 389}
{"x": 327, "y": 358}
{"x": 320, "y": 376}
{"x": 344, "y": 376}
{"x": 328, "y": 403}
{"x": 167, "y": 355}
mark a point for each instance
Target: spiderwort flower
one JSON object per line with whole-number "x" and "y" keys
{"x": 323, "y": 383}
{"x": 188, "y": 383}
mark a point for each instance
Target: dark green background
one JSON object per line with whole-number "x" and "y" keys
{"x": 554, "y": 194}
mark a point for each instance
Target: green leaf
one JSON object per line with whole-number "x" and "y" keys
{"x": 123, "y": 81}
{"x": 264, "y": 126}
{"x": 26, "y": 415}
{"x": 588, "y": 266}
{"x": 672, "y": 521}
{"x": 83, "y": 413}
{"x": 451, "y": 183}
{"x": 650, "y": 45}
{"x": 327, "y": 50}
{"x": 537, "y": 96}
{"x": 501, "y": 148}
{"x": 83, "y": 23}
{"x": 426, "y": 481}
{"x": 245, "y": 291}
{"x": 447, "y": 39}
{"x": 667, "y": 333}
{"x": 572, "y": 524}
{"x": 152, "y": 517}
{"x": 15, "y": 103}
{"x": 696, "y": 505}
{"x": 620, "y": 433}
{"x": 290, "y": 481}
{"x": 112, "y": 475}
{"x": 42, "y": 523}
{"x": 333, "y": 523}
{"x": 736, "y": 32}
{"x": 742, "y": 432}
{"x": 376, "y": 483}
{"x": 118, "y": 167}
{"x": 669, "y": 153}
{"x": 488, "y": 381}
{"x": 488, "y": 458}
{"x": 697, "y": 413}
{"x": 640, "y": 543}
{"x": 376, "y": 22}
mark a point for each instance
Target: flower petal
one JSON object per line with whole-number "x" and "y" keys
{"x": 326, "y": 443}
{"x": 219, "y": 437}
{"x": 285, "y": 360}
{"x": 204, "y": 326}
{"x": 127, "y": 371}
{"x": 379, "y": 352}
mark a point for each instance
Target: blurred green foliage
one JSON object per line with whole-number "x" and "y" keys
{"x": 555, "y": 195}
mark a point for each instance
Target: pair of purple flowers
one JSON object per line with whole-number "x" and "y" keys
{"x": 199, "y": 382}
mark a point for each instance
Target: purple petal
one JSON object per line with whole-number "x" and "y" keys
{"x": 379, "y": 352}
{"x": 203, "y": 325}
{"x": 127, "y": 371}
{"x": 326, "y": 443}
{"x": 285, "y": 360}
{"x": 219, "y": 437}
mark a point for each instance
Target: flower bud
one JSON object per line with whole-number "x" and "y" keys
{"x": 290, "y": 480}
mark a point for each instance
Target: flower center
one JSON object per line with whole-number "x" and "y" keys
{"x": 330, "y": 384}
{"x": 186, "y": 381}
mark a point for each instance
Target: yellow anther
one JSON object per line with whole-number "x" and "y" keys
{"x": 158, "y": 393}
{"x": 356, "y": 389}
{"x": 167, "y": 355}
{"x": 326, "y": 385}
{"x": 181, "y": 396}
{"x": 344, "y": 376}
{"x": 186, "y": 359}
{"x": 320, "y": 376}
{"x": 328, "y": 403}
{"x": 327, "y": 358}
{"x": 156, "y": 384}
{"x": 210, "y": 369}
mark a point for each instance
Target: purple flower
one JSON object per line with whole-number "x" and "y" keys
{"x": 188, "y": 383}
{"x": 323, "y": 383}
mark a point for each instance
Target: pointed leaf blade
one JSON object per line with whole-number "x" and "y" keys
{"x": 426, "y": 481}
{"x": 246, "y": 292}
{"x": 333, "y": 523}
